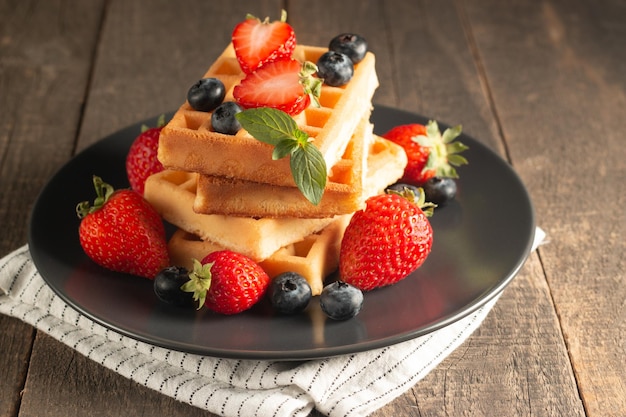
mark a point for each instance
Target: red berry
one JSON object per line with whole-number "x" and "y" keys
{"x": 429, "y": 152}
{"x": 277, "y": 85}
{"x": 122, "y": 232}
{"x": 227, "y": 282}
{"x": 385, "y": 242}
{"x": 142, "y": 161}
{"x": 257, "y": 43}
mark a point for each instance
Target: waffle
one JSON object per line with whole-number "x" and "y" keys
{"x": 172, "y": 194}
{"x": 314, "y": 257}
{"x": 344, "y": 192}
{"x": 187, "y": 142}
{"x": 385, "y": 165}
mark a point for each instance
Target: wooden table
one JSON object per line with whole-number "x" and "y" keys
{"x": 543, "y": 83}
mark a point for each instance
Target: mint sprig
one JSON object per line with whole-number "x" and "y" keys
{"x": 277, "y": 128}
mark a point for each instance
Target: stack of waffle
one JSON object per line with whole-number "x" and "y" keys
{"x": 226, "y": 192}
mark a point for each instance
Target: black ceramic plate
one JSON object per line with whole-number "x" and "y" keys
{"x": 480, "y": 242}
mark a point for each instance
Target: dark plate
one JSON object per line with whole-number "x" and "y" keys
{"x": 481, "y": 241}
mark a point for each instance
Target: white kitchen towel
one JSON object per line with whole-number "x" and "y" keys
{"x": 348, "y": 385}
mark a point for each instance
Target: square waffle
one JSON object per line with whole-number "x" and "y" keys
{"x": 172, "y": 194}
{"x": 385, "y": 164}
{"x": 314, "y": 257}
{"x": 187, "y": 142}
{"x": 344, "y": 192}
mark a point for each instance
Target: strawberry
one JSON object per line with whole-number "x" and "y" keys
{"x": 122, "y": 231}
{"x": 430, "y": 153}
{"x": 227, "y": 282}
{"x": 284, "y": 85}
{"x": 259, "y": 42}
{"x": 386, "y": 241}
{"x": 141, "y": 160}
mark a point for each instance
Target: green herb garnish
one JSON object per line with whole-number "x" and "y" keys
{"x": 277, "y": 128}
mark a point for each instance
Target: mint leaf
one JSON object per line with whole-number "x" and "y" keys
{"x": 309, "y": 172}
{"x": 283, "y": 148}
{"x": 267, "y": 125}
{"x": 278, "y": 129}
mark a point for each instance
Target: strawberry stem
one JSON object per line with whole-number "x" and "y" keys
{"x": 103, "y": 192}
{"x": 419, "y": 200}
{"x": 199, "y": 282}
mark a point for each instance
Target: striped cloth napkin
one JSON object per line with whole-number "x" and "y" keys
{"x": 348, "y": 385}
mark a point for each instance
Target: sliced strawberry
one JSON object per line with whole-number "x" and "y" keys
{"x": 282, "y": 85}
{"x": 259, "y": 42}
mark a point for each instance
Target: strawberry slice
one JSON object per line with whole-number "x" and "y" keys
{"x": 284, "y": 85}
{"x": 259, "y": 42}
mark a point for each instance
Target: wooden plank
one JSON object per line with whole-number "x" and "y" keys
{"x": 428, "y": 47}
{"x": 557, "y": 77}
{"x": 131, "y": 81}
{"x": 15, "y": 345}
{"x": 45, "y": 57}
{"x": 71, "y": 385}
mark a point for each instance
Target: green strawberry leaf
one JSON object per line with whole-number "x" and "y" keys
{"x": 278, "y": 129}
{"x": 452, "y": 133}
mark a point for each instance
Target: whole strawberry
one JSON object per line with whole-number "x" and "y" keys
{"x": 227, "y": 282}
{"x": 122, "y": 232}
{"x": 257, "y": 42}
{"x": 386, "y": 241}
{"x": 142, "y": 161}
{"x": 430, "y": 153}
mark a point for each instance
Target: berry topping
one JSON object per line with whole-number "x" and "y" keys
{"x": 440, "y": 190}
{"x": 350, "y": 44}
{"x": 168, "y": 283}
{"x": 259, "y": 42}
{"x": 206, "y": 94}
{"x": 335, "y": 68}
{"x": 223, "y": 119}
{"x": 289, "y": 293}
{"x": 284, "y": 85}
{"x": 341, "y": 301}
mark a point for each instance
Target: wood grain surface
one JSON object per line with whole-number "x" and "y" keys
{"x": 543, "y": 83}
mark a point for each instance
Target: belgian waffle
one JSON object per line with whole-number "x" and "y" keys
{"x": 172, "y": 194}
{"x": 385, "y": 164}
{"x": 187, "y": 142}
{"x": 344, "y": 192}
{"x": 314, "y": 257}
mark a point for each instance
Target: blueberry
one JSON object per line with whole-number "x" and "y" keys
{"x": 334, "y": 68}
{"x": 290, "y": 293}
{"x": 167, "y": 285}
{"x": 350, "y": 44}
{"x": 341, "y": 301}
{"x": 206, "y": 94}
{"x": 400, "y": 186}
{"x": 223, "y": 118}
{"x": 440, "y": 190}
